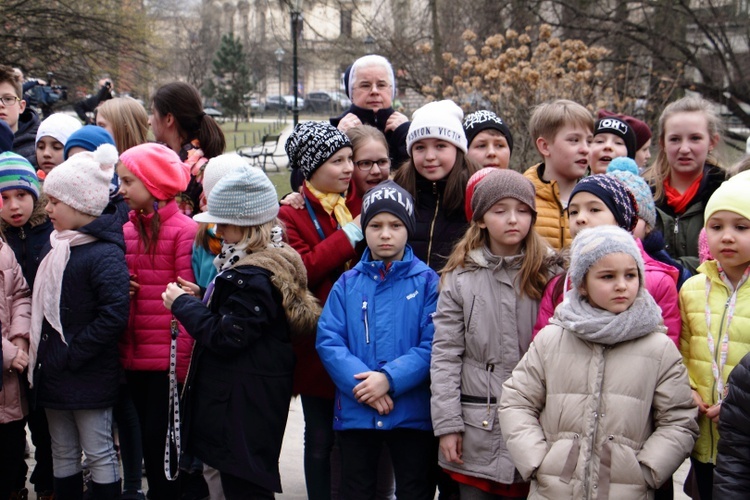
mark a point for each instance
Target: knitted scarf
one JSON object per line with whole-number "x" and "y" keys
{"x": 603, "y": 327}
{"x": 332, "y": 203}
{"x": 45, "y": 301}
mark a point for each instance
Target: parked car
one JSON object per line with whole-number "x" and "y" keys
{"x": 323, "y": 101}
{"x": 276, "y": 102}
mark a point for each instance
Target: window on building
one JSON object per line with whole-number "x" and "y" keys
{"x": 346, "y": 23}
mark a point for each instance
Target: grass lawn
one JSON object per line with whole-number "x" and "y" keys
{"x": 248, "y": 133}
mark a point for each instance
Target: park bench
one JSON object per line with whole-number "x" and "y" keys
{"x": 259, "y": 154}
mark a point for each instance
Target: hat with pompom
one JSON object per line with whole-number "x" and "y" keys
{"x": 82, "y": 181}
{"x": 625, "y": 170}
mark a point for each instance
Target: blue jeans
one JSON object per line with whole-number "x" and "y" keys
{"x": 90, "y": 431}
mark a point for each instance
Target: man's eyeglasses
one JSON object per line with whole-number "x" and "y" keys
{"x": 380, "y": 86}
{"x": 9, "y": 100}
{"x": 367, "y": 164}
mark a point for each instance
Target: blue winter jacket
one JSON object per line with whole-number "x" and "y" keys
{"x": 371, "y": 323}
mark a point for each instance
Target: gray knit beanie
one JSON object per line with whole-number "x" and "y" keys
{"x": 592, "y": 244}
{"x": 499, "y": 184}
{"x": 243, "y": 197}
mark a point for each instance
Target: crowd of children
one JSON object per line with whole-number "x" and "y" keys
{"x": 449, "y": 323}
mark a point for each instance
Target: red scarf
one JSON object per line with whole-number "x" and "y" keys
{"x": 680, "y": 201}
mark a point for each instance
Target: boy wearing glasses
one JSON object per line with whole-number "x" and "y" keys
{"x": 23, "y": 122}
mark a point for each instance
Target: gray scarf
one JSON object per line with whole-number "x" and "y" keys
{"x": 603, "y": 327}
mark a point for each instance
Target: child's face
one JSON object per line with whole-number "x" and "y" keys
{"x": 18, "y": 205}
{"x": 104, "y": 123}
{"x": 728, "y": 236}
{"x": 230, "y": 233}
{"x": 386, "y": 237}
{"x": 64, "y": 216}
{"x": 433, "y": 158}
{"x": 490, "y": 149}
{"x": 508, "y": 222}
{"x": 567, "y": 154}
{"x": 136, "y": 195}
{"x": 643, "y": 155}
{"x": 612, "y": 283}
{"x": 335, "y": 174}
{"x": 687, "y": 143}
{"x": 604, "y": 149}
{"x": 49, "y": 153}
{"x": 10, "y": 114}
{"x": 587, "y": 210}
{"x": 370, "y": 151}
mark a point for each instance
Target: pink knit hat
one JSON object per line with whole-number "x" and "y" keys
{"x": 159, "y": 168}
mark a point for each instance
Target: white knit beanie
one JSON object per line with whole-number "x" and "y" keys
{"x": 82, "y": 181}
{"x": 219, "y": 166}
{"x": 243, "y": 197}
{"x": 592, "y": 244}
{"x": 438, "y": 120}
{"x": 59, "y": 126}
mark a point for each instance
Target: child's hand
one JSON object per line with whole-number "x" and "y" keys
{"x": 21, "y": 343}
{"x": 134, "y": 286}
{"x": 189, "y": 287}
{"x": 713, "y": 412}
{"x": 356, "y": 220}
{"x": 294, "y": 200}
{"x": 698, "y": 400}
{"x": 451, "y": 446}
{"x": 383, "y": 405}
{"x": 170, "y": 294}
{"x": 21, "y": 361}
{"x": 374, "y": 386}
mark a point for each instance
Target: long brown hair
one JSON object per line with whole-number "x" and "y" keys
{"x": 128, "y": 119}
{"x": 148, "y": 236}
{"x": 660, "y": 170}
{"x": 456, "y": 180}
{"x": 535, "y": 266}
{"x": 184, "y": 102}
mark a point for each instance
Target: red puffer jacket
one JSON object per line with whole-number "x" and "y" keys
{"x": 145, "y": 344}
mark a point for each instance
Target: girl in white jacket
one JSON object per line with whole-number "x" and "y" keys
{"x": 600, "y": 405}
{"x": 489, "y": 298}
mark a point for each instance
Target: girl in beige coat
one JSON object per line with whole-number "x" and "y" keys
{"x": 489, "y": 298}
{"x": 600, "y": 406}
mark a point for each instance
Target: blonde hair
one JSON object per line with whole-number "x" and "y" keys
{"x": 364, "y": 133}
{"x": 547, "y": 119}
{"x": 128, "y": 119}
{"x": 256, "y": 238}
{"x": 660, "y": 170}
{"x": 535, "y": 266}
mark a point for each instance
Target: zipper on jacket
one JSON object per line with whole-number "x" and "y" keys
{"x": 364, "y": 318}
{"x": 432, "y": 224}
{"x": 489, "y": 368}
{"x": 716, "y": 357}
{"x": 676, "y": 225}
{"x": 22, "y": 234}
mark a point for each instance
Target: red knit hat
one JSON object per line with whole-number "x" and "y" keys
{"x": 159, "y": 168}
{"x": 642, "y": 131}
{"x": 470, "y": 186}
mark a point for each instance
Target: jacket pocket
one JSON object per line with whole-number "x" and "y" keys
{"x": 562, "y": 457}
{"x": 625, "y": 466}
{"x": 210, "y": 406}
{"x": 479, "y": 441}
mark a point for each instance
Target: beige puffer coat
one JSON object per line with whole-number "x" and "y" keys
{"x": 482, "y": 330}
{"x": 616, "y": 429}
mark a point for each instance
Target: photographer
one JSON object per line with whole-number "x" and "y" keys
{"x": 89, "y": 104}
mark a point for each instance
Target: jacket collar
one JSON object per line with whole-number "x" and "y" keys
{"x": 399, "y": 269}
{"x": 367, "y": 116}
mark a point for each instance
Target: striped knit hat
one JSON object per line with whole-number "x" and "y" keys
{"x": 613, "y": 193}
{"x": 17, "y": 173}
{"x": 243, "y": 197}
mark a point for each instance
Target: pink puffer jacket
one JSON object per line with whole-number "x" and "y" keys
{"x": 145, "y": 344}
{"x": 15, "y": 317}
{"x": 661, "y": 283}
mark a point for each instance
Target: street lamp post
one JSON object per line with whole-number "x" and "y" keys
{"x": 369, "y": 43}
{"x": 296, "y": 11}
{"x": 279, "y": 57}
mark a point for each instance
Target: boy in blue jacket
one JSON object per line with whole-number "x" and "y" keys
{"x": 374, "y": 338}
